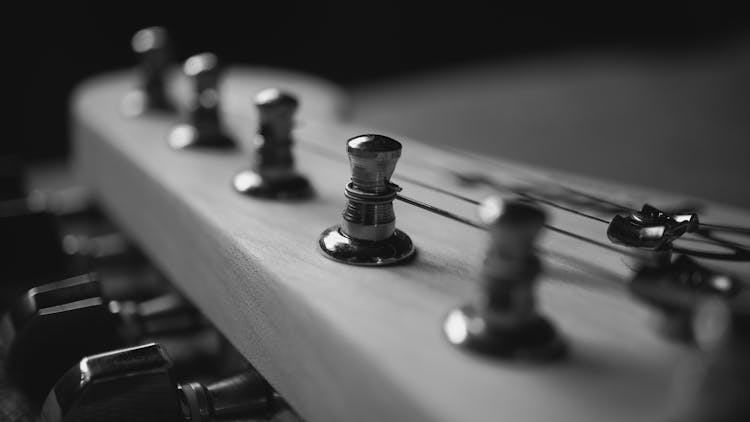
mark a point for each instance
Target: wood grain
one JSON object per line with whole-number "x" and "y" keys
{"x": 346, "y": 343}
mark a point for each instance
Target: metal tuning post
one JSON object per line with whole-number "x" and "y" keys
{"x": 154, "y": 51}
{"x": 203, "y": 127}
{"x": 712, "y": 385}
{"x": 368, "y": 233}
{"x": 272, "y": 174}
{"x": 505, "y": 322}
{"x": 675, "y": 289}
{"x": 652, "y": 232}
{"x": 142, "y": 380}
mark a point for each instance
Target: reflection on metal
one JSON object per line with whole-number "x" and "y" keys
{"x": 272, "y": 173}
{"x": 368, "y": 234}
{"x": 202, "y": 127}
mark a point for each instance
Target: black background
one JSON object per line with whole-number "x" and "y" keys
{"x": 345, "y": 41}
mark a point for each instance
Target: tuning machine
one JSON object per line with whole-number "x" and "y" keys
{"x": 146, "y": 388}
{"x": 272, "y": 174}
{"x": 368, "y": 234}
{"x": 505, "y": 322}
{"x": 53, "y": 325}
{"x": 202, "y": 126}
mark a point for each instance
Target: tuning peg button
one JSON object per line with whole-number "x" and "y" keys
{"x": 368, "y": 234}
{"x": 154, "y": 51}
{"x": 505, "y": 322}
{"x": 142, "y": 380}
{"x": 53, "y": 325}
{"x": 203, "y": 127}
{"x": 272, "y": 173}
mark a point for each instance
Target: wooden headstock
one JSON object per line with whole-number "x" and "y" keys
{"x": 354, "y": 343}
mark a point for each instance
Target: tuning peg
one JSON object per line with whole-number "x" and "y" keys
{"x": 203, "y": 127}
{"x": 712, "y": 385}
{"x": 142, "y": 380}
{"x": 505, "y": 321}
{"x": 53, "y": 325}
{"x": 675, "y": 289}
{"x": 154, "y": 51}
{"x": 652, "y": 232}
{"x": 272, "y": 174}
{"x": 368, "y": 233}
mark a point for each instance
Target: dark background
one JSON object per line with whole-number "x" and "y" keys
{"x": 345, "y": 41}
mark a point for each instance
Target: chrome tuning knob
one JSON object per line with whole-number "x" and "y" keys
{"x": 138, "y": 384}
{"x": 272, "y": 173}
{"x": 505, "y": 322}
{"x": 368, "y": 234}
{"x": 154, "y": 50}
{"x": 203, "y": 126}
{"x": 51, "y": 326}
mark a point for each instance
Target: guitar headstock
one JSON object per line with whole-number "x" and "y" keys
{"x": 372, "y": 342}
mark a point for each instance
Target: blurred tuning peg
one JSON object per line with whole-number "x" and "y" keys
{"x": 272, "y": 174}
{"x": 203, "y": 127}
{"x": 53, "y": 325}
{"x": 651, "y": 231}
{"x": 154, "y": 51}
{"x": 677, "y": 288}
{"x": 146, "y": 389}
{"x": 713, "y": 386}
{"x": 12, "y": 183}
{"x": 367, "y": 234}
{"x": 505, "y": 322}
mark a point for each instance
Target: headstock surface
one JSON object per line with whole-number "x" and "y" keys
{"x": 353, "y": 343}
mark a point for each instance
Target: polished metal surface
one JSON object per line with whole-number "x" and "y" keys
{"x": 367, "y": 234}
{"x": 272, "y": 173}
{"x": 202, "y": 127}
{"x": 51, "y": 318}
{"x": 505, "y": 322}
{"x": 138, "y": 384}
{"x": 533, "y": 339}
{"x": 134, "y": 384}
{"x": 73, "y": 318}
{"x": 152, "y": 46}
{"x": 398, "y": 248}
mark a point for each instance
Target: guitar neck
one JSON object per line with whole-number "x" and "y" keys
{"x": 342, "y": 342}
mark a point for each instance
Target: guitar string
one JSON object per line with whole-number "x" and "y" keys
{"x": 722, "y": 243}
{"x": 620, "y": 207}
{"x": 324, "y": 151}
{"x": 447, "y": 214}
{"x": 512, "y": 190}
{"x": 320, "y": 150}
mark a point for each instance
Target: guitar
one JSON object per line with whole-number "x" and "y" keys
{"x": 343, "y": 342}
